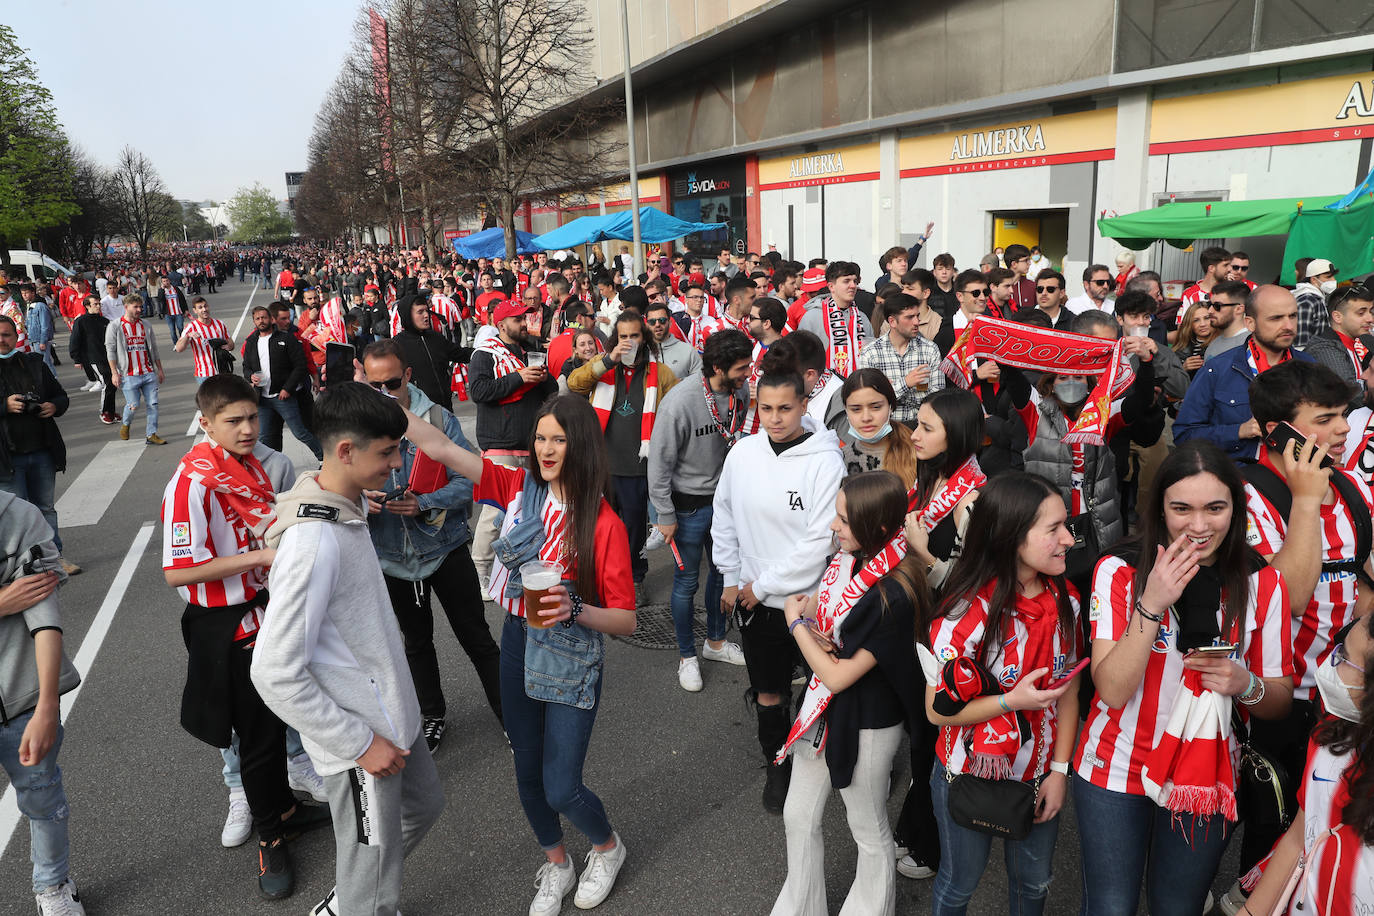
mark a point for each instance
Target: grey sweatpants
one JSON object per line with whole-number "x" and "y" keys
{"x": 377, "y": 822}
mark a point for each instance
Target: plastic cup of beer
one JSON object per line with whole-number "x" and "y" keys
{"x": 538, "y": 577}
{"x": 535, "y": 359}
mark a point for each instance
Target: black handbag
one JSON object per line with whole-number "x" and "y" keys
{"x": 1086, "y": 550}
{"x": 1000, "y": 807}
{"x": 1260, "y": 782}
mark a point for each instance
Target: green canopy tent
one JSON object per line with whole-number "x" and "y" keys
{"x": 1343, "y": 235}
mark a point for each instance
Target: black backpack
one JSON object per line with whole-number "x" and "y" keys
{"x": 1275, "y": 491}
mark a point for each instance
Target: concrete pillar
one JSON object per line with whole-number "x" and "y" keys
{"x": 1129, "y": 189}
{"x": 888, "y": 227}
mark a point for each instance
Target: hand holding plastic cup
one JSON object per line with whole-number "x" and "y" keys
{"x": 538, "y": 577}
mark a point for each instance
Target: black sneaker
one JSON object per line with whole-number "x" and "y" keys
{"x": 775, "y": 786}
{"x": 276, "y": 874}
{"x": 433, "y": 728}
{"x": 305, "y": 817}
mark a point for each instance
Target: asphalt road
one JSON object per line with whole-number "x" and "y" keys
{"x": 680, "y": 773}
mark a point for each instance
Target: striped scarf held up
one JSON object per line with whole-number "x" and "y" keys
{"x": 603, "y": 401}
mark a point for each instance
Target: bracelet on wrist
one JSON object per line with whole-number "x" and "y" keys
{"x": 576, "y": 601}
{"x": 1254, "y": 693}
{"x": 1002, "y": 702}
{"x": 793, "y": 625}
{"x": 1141, "y": 610}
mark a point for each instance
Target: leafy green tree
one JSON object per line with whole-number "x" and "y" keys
{"x": 35, "y": 164}
{"x": 256, "y": 217}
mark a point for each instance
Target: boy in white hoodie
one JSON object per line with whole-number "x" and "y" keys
{"x": 330, "y": 659}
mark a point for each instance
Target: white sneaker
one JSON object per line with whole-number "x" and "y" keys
{"x": 599, "y": 876}
{"x": 89, "y": 386}
{"x": 61, "y": 900}
{"x": 910, "y": 868}
{"x": 301, "y": 777}
{"x": 689, "y": 674}
{"x": 729, "y": 652}
{"x": 238, "y": 826}
{"x": 553, "y": 883}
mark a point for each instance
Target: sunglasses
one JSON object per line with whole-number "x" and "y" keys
{"x": 392, "y": 384}
{"x": 656, "y": 321}
{"x": 1240, "y": 268}
{"x": 1101, "y": 282}
{"x": 1215, "y": 306}
{"x": 976, "y": 293}
{"x": 1047, "y": 289}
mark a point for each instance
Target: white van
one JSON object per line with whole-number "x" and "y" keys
{"x": 35, "y": 265}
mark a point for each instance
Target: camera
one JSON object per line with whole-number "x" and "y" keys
{"x": 33, "y": 404}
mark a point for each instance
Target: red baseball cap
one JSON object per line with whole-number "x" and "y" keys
{"x": 509, "y": 308}
{"x": 698, "y": 278}
{"x": 812, "y": 279}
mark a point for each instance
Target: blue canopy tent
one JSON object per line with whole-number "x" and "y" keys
{"x": 655, "y": 226}
{"x": 491, "y": 243}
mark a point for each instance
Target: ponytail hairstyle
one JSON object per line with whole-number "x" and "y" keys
{"x": 899, "y": 455}
{"x": 781, "y": 368}
{"x": 875, "y": 503}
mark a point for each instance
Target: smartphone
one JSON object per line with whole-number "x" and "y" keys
{"x": 1222, "y": 651}
{"x": 338, "y": 362}
{"x": 392, "y": 494}
{"x": 1285, "y": 436}
{"x": 1068, "y": 675}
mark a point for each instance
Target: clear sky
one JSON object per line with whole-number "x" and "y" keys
{"x": 218, "y": 95}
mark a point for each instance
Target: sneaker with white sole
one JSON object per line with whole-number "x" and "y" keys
{"x": 301, "y": 777}
{"x": 89, "y": 386}
{"x": 910, "y": 868}
{"x": 61, "y": 900}
{"x": 238, "y": 826}
{"x": 553, "y": 883}
{"x": 729, "y": 652}
{"x": 598, "y": 878}
{"x": 689, "y": 674}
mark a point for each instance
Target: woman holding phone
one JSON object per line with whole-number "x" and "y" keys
{"x": 1008, "y": 610}
{"x": 856, "y": 633}
{"x": 582, "y": 534}
{"x": 1164, "y": 604}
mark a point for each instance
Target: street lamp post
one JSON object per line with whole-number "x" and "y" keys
{"x": 630, "y": 131}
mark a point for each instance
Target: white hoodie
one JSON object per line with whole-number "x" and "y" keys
{"x": 771, "y": 515}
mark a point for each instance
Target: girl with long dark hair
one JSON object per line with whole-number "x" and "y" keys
{"x": 1333, "y": 831}
{"x": 1008, "y": 610}
{"x": 582, "y": 534}
{"x": 856, "y": 634}
{"x": 770, "y": 533}
{"x": 871, "y": 439}
{"x": 1188, "y": 580}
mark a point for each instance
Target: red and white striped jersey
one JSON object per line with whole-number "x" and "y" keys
{"x": 503, "y": 486}
{"x": 173, "y": 301}
{"x": 446, "y": 309}
{"x": 1333, "y": 602}
{"x": 1194, "y": 293}
{"x": 1114, "y": 742}
{"x": 201, "y": 333}
{"x": 395, "y": 316}
{"x": 751, "y": 418}
{"x": 15, "y": 313}
{"x": 951, "y": 638}
{"x": 1339, "y": 879}
{"x": 196, "y": 529}
{"x": 136, "y": 345}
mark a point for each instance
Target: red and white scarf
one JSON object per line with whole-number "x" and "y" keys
{"x": 240, "y": 481}
{"x": 841, "y": 588}
{"x": 1189, "y": 769}
{"x": 842, "y": 337}
{"x": 1061, "y": 352}
{"x": 11, "y": 310}
{"x": 331, "y": 319}
{"x": 603, "y": 401}
{"x": 968, "y": 478}
{"x": 504, "y": 363}
{"x": 699, "y": 329}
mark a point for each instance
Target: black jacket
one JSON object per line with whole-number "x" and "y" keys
{"x": 87, "y": 342}
{"x": 430, "y": 356}
{"x": 504, "y": 426}
{"x": 44, "y": 384}
{"x": 181, "y": 301}
{"x": 287, "y": 365}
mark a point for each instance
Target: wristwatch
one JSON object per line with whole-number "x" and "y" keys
{"x": 1059, "y": 766}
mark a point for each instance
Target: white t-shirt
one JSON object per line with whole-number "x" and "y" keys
{"x": 1082, "y": 302}
{"x": 265, "y": 363}
{"x": 112, "y": 307}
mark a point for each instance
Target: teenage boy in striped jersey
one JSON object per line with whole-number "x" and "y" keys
{"x": 199, "y": 332}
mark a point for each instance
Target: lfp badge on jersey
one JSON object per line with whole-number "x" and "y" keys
{"x": 181, "y": 534}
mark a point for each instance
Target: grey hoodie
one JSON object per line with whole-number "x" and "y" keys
{"x": 21, "y": 528}
{"x": 329, "y": 660}
{"x": 686, "y": 450}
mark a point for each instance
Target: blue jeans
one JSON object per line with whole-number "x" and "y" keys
{"x": 38, "y": 790}
{"x": 232, "y": 778}
{"x": 273, "y": 411}
{"x": 1127, "y": 838}
{"x": 34, "y": 479}
{"x": 693, "y": 539}
{"x": 175, "y": 325}
{"x": 549, "y": 741}
{"x": 964, "y": 857}
{"x": 140, "y": 388}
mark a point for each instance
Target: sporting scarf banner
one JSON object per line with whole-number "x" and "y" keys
{"x": 968, "y": 478}
{"x": 1189, "y": 770}
{"x": 603, "y": 401}
{"x": 840, "y": 590}
{"x": 242, "y": 482}
{"x": 842, "y": 337}
{"x": 1061, "y": 352}
{"x": 504, "y": 362}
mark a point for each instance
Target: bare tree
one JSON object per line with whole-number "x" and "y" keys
{"x": 343, "y": 190}
{"x": 143, "y": 208}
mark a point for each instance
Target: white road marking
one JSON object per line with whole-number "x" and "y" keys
{"x": 195, "y": 425}
{"x": 85, "y": 657}
{"x": 85, "y": 501}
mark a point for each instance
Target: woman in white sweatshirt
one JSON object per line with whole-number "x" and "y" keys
{"x": 771, "y": 539}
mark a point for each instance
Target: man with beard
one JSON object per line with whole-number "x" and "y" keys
{"x": 507, "y": 393}
{"x": 624, "y": 387}
{"x": 1217, "y": 406}
{"x": 699, "y": 421}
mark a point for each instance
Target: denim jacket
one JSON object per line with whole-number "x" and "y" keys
{"x": 1217, "y": 404}
{"x": 412, "y": 548}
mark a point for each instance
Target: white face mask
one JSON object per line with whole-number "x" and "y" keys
{"x": 1328, "y": 287}
{"x": 1071, "y": 390}
{"x": 1336, "y": 692}
{"x": 879, "y": 436}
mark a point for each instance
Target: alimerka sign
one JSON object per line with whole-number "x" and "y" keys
{"x": 1084, "y": 136}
